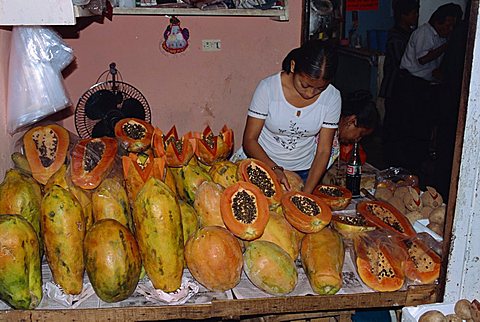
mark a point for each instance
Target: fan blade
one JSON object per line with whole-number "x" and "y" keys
{"x": 132, "y": 107}
{"x": 99, "y": 104}
{"x": 101, "y": 129}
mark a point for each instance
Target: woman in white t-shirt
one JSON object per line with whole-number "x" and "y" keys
{"x": 294, "y": 114}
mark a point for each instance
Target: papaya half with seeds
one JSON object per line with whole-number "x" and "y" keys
{"x": 112, "y": 260}
{"x": 20, "y": 267}
{"x": 63, "y": 228}
{"x": 306, "y": 212}
{"x": 379, "y": 263}
{"x": 209, "y": 147}
{"x": 322, "y": 256}
{"x": 423, "y": 264}
{"x": 258, "y": 173}
{"x": 337, "y": 197}
{"x": 177, "y": 151}
{"x": 244, "y": 210}
{"x": 135, "y": 135}
{"x": 348, "y": 225}
{"x": 92, "y": 160}
{"x": 46, "y": 148}
{"x": 383, "y": 215}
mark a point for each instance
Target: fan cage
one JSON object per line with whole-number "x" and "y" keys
{"x": 84, "y": 125}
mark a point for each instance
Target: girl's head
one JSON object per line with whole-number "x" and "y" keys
{"x": 312, "y": 66}
{"x": 406, "y": 12}
{"x": 359, "y": 117}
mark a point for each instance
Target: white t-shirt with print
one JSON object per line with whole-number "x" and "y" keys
{"x": 289, "y": 133}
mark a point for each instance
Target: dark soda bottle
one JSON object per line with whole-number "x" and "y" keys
{"x": 354, "y": 172}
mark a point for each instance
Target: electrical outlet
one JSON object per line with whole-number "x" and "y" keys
{"x": 211, "y": 45}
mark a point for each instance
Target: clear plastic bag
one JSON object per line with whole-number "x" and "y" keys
{"x": 35, "y": 83}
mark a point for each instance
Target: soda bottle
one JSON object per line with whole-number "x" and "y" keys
{"x": 354, "y": 172}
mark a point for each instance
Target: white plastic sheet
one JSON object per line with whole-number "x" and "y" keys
{"x": 35, "y": 83}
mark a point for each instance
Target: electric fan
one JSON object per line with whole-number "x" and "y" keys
{"x": 106, "y": 103}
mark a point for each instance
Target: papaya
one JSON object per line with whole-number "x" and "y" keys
{"x": 62, "y": 179}
{"x": 269, "y": 267}
{"x": 187, "y": 180}
{"x": 279, "y": 231}
{"x": 190, "y": 222}
{"x": 20, "y": 266}
{"x": 177, "y": 151}
{"x": 21, "y": 195}
{"x": 209, "y": 147}
{"x": 306, "y": 212}
{"x": 385, "y": 216}
{"x": 135, "y": 135}
{"x": 63, "y": 228}
{"x": 92, "y": 160}
{"x": 46, "y": 149}
{"x": 207, "y": 204}
{"x": 295, "y": 181}
{"x": 110, "y": 200}
{"x": 322, "y": 254}
{"x": 258, "y": 173}
{"x": 214, "y": 258}
{"x": 224, "y": 173}
{"x": 159, "y": 233}
{"x": 422, "y": 264}
{"x": 337, "y": 197}
{"x": 21, "y": 163}
{"x": 348, "y": 225}
{"x": 112, "y": 260}
{"x": 244, "y": 210}
{"x": 380, "y": 262}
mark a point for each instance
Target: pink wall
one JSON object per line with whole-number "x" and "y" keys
{"x": 195, "y": 88}
{"x": 6, "y": 145}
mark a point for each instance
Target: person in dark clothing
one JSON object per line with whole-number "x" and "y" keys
{"x": 406, "y": 19}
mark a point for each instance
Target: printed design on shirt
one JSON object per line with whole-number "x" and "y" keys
{"x": 329, "y": 123}
{"x": 293, "y": 134}
{"x": 258, "y": 113}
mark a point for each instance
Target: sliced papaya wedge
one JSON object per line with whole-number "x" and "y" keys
{"x": 178, "y": 151}
{"x": 258, "y": 173}
{"x": 92, "y": 160}
{"x": 135, "y": 135}
{"x": 306, "y": 212}
{"x": 337, "y": 197}
{"x": 244, "y": 210}
{"x": 423, "y": 264}
{"x": 385, "y": 216}
{"x": 46, "y": 148}
{"x": 210, "y": 147}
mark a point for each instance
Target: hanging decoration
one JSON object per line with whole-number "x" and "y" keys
{"x": 360, "y": 5}
{"x": 176, "y": 37}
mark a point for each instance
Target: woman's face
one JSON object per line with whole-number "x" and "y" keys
{"x": 307, "y": 87}
{"x": 349, "y": 132}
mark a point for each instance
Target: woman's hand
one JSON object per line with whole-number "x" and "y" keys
{"x": 282, "y": 177}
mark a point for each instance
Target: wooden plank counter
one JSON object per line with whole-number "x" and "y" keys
{"x": 236, "y": 309}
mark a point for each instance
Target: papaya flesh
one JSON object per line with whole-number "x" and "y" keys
{"x": 322, "y": 256}
{"x": 158, "y": 230}
{"x": 112, "y": 260}
{"x": 20, "y": 267}
{"x": 337, "y": 197}
{"x": 423, "y": 264}
{"x": 135, "y": 135}
{"x": 63, "y": 228}
{"x": 270, "y": 268}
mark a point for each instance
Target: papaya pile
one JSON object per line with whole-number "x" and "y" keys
{"x": 160, "y": 202}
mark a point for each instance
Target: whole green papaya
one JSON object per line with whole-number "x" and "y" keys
{"x": 20, "y": 267}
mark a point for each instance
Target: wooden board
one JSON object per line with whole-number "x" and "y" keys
{"x": 234, "y": 309}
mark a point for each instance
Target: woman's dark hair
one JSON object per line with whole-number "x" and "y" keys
{"x": 403, "y": 7}
{"x": 316, "y": 59}
{"x": 360, "y": 104}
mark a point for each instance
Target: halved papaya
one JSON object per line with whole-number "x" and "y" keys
{"x": 46, "y": 148}
{"x": 306, "y": 212}
{"x": 211, "y": 147}
{"x": 423, "y": 264}
{"x": 337, "y": 197}
{"x": 348, "y": 225}
{"x": 178, "y": 151}
{"x": 135, "y": 135}
{"x": 379, "y": 263}
{"x": 385, "y": 216}
{"x": 258, "y": 173}
{"x": 244, "y": 210}
{"x": 92, "y": 160}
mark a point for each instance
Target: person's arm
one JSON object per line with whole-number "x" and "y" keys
{"x": 322, "y": 155}
{"x": 252, "y": 148}
{"x": 433, "y": 54}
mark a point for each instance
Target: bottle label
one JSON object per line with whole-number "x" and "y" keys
{"x": 354, "y": 170}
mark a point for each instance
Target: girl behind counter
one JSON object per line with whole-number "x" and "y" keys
{"x": 294, "y": 114}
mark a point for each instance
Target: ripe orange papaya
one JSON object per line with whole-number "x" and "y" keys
{"x": 46, "y": 148}
{"x": 135, "y": 135}
{"x": 112, "y": 260}
{"x": 177, "y": 151}
{"x": 92, "y": 160}
{"x": 305, "y": 211}
{"x": 337, "y": 197}
{"x": 244, "y": 210}
{"x": 207, "y": 204}
{"x": 423, "y": 264}
{"x": 214, "y": 258}
{"x": 210, "y": 148}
